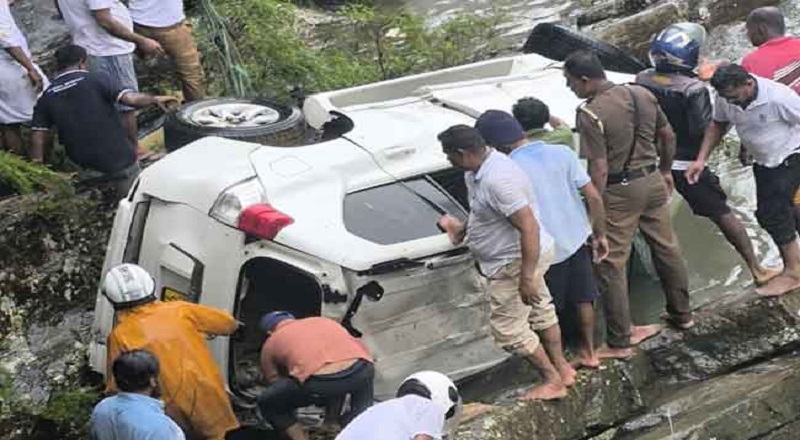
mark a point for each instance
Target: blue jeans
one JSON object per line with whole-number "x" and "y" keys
{"x": 120, "y": 68}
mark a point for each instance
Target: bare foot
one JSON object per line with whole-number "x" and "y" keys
{"x": 546, "y": 391}
{"x": 568, "y": 374}
{"x": 763, "y": 274}
{"x": 779, "y": 285}
{"x": 606, "y": 352}
{"x": 641, "y": 332}
{"x": 586, "y": 360}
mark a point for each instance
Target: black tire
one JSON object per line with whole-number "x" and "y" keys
{"x": 289, "y": 130}
{"x": 558, "y": 42}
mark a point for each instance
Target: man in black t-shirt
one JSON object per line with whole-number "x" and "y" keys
{"x": 80, "y": 105}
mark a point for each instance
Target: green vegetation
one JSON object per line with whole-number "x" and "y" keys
{"x": 24, "y": 177}
{"x": 261, "y": 47}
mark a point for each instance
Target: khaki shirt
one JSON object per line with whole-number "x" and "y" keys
{"x": 606, "y": 124}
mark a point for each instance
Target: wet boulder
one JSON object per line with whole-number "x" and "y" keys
{"x": 633, "y": 33}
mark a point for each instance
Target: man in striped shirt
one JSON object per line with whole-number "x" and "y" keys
{"x": 777, "y": 56}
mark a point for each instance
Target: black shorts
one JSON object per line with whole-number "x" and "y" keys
{"x": 572, "y": 280}
{"x": 706, "y": 197}
{"x": 775, "y": 188}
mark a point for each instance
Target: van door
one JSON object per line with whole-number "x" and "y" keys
{"x": 425, "y": 313}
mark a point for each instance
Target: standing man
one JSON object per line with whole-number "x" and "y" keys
{"x": 308, "y": 361}
{"x": 766, "y": 115}
{"x": 135, "y": 413}
{"x": 687, "y": 104}
{"x": 80, "y": 105}
{"x": 164, "y": 21}
{"x": 777, "y": 56}
{"x": 105, "y": 29}
{"x": 175, "y": 332}
{"x": 558, "y": 181}
{"x": 21, "y": 81}
{"x": 629, "y": 144}
{"x": 513, "y": 252}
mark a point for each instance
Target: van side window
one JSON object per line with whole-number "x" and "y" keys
{"x": 180, "y": 275}
{"x": 136, "y": 232}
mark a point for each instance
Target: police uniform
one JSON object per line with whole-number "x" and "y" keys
{"x": 635, "y": 198}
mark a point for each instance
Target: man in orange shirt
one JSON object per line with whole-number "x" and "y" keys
{"x": 311, "y": 361}
{"x": 175, "y": 332}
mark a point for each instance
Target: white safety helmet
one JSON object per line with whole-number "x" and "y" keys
{"x": 128, "y": 285}
{"x": 440, "y": 389}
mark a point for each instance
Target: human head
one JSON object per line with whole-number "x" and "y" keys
{"x": 136, "y": 372}
{"x": 434, "y": 386}
{"x": 764, "y": 24}
{"x": 734, "y": 84}
{"x": 584, "y": 73}
{"x": 269, "y": 322}
{"x": 500, "y": 130}
{"x": 677, "y": 48}
{"x": 464, "y": 146}
{"x": 128, "y": 285}
{"x": 71, "y": 57}
{"x": 531, "y": 113}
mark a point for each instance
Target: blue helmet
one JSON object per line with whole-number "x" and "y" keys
{"x": 677, "y": 48}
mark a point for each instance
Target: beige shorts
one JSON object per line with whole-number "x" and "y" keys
{"x": 514, "y": 323}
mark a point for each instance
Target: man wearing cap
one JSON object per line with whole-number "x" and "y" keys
{"x": 311, "y": 361}
{"x": 558, "y": 181}
{"x": 513, "y": 252}
{"x": 629, "y": 144}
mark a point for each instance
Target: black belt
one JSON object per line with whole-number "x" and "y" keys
{"x": 626, "y": 176}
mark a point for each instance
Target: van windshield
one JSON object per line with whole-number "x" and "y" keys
{"x": 399, "y": 212}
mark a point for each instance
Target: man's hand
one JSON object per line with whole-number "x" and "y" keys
{"x": 167, "y": 103}
{"x": 745, "y": 158}
{"x": 528, "y": 291}
{"x": 150, "y": 47}
{"x": 669, "y": 181}
{"x": 600, "y": 248}
{"x": 452, "y": 227}
{"x": 35, "y": 79}
{"x": 694, "y": 170}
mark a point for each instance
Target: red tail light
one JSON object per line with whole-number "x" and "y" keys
{"x": 263, "y": 221}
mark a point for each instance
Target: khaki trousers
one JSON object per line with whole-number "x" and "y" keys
{"x": 514, "y": 323}
{"x": 180, "y": 46}
{"x": 643, "y": 205}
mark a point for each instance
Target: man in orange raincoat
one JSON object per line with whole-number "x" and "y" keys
{"x": 175, "y": 332}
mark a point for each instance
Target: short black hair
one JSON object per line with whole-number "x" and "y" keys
{"x": 461, "y": 137}
{"x": 531, "y": 113}
{"x": 730, "y": 75}
{"x": 770, "y": 17}
{"x": 133, "y": 370}
{"x": 69, "y": 56}
{"x": 584, "y": 63}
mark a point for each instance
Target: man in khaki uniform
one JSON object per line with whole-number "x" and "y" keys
{"x": 629, "y": 144}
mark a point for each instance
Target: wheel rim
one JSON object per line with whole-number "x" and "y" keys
{"x": 235, "y": 115}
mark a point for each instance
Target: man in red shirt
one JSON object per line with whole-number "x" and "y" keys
{"x": 777, "y": 56}
{"x": 311, "y": 361}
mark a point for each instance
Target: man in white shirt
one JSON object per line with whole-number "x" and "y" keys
{"x": 165, "y": 22}
{"x": 105, "y": 29}
{"x": 21, "y": 81}
{"x": 766, "y": 115}
{"x": 426, "y": 402}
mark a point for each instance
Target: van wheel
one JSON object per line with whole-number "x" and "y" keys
{"x": 558, "y": 42}
{"x": 252, "y": 120}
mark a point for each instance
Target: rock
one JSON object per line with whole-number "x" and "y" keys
{"x": 633, "y": 33}
{"x": 726, "y": 11}
{"x": 611, "y": 9}
{"x": 45, "y": 31}
{"x": 745, "y": 405}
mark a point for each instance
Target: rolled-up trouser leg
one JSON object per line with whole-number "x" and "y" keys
{"x": 513, "y": 322}
{"x": 775, "y": 188}
{"x": 656, "y": 228}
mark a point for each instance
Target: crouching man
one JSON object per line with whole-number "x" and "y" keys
{"x": 426, "y": 403}
{"x": 311, "y": 361}
{"x": 513, "y": 252}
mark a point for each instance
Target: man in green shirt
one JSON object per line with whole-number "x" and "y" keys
{"x": 528, "y": 110}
